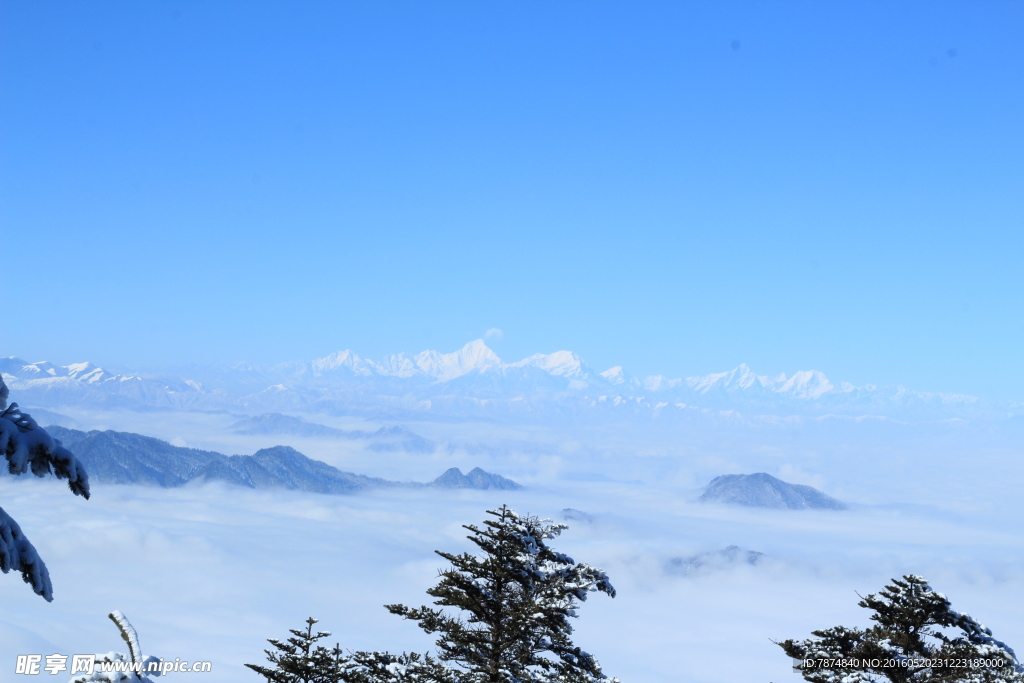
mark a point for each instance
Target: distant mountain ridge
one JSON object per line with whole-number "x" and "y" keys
{"x": 384, "y": 439}
{"x": 126, "y": 458}
{"x": 470, "y": 382}
{"x": 729, "y": 556}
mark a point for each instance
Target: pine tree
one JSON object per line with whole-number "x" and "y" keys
{"x": 517, "y": 596}
{"x": 910, "y": 641}
{"x": 28, "y": 447}
{"x": 300, "y": 659}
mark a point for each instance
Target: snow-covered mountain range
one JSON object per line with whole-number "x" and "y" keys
{"x": 470, "y": 382}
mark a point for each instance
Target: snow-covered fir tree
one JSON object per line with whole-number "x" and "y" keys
{"x": 301, "y": 659}
{"x": 516, "y": 597}
{"x": 28, "y": 448}
{"x": 134, "y": 658}
{"x": 917, "y": 637}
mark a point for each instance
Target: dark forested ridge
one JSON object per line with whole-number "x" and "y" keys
{"x": 126, "y": 458}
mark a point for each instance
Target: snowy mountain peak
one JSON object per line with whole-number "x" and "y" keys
{"x": 20, "y": 368}
{"x": 443, "y": 367}
{"x": 475, "y": 355}
{"x": 395, "y": 365}
{"x": 340, "y": 360}
{"x": 415, "y": 383}
{"x": 805, "y": 384}
{"x": 739, "y": 378}
{"x": 87, "y": 372}
{"x": 559, "y": 363}
{"x": 660, "y": 383}
{"x": 744, "y": 378}
{"x": 84, "y": 372}
{"x": 614, "y": 375}
{"x": 46, "y": 368}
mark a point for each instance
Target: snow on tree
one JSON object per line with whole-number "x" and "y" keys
{"x": 28, "y": 447}
{"x": 910, "y": 642}
{"x": 517, "y": 595}
{"x": 134, "y": 659}
{"x": 300, "y": 659}
{"x": 408, "y": 667}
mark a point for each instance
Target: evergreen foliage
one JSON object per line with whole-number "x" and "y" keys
{"x": 384, "y": 667}
{"x": 910, "y": 642}
{"x": 300, "y": 659}
{"x": 517, "y": 596}
{"x": 28, "y": 448}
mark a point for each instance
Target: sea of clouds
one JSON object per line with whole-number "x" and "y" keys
{"x": 210, "y": 572}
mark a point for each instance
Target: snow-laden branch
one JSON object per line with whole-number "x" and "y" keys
{"x": 18, "y": 553}
{"x": 27, "y": 447}
{"x": 146, "y": 668}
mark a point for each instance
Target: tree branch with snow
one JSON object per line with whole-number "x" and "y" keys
{"x": 28, "y": 448}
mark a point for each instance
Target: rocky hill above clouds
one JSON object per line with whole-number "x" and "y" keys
{"x": 453, "y": 478}
{"x": 764, "y": 490}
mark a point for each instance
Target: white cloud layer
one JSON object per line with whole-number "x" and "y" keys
{"x": 210, "y": 572}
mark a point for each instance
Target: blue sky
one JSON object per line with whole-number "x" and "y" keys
{"x": 673, "y": 187}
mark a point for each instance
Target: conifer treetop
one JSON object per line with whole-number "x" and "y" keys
{"x": 300, "y": 659}
{"x": 513, "y": 600}
{"x": 911, "y": 642}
